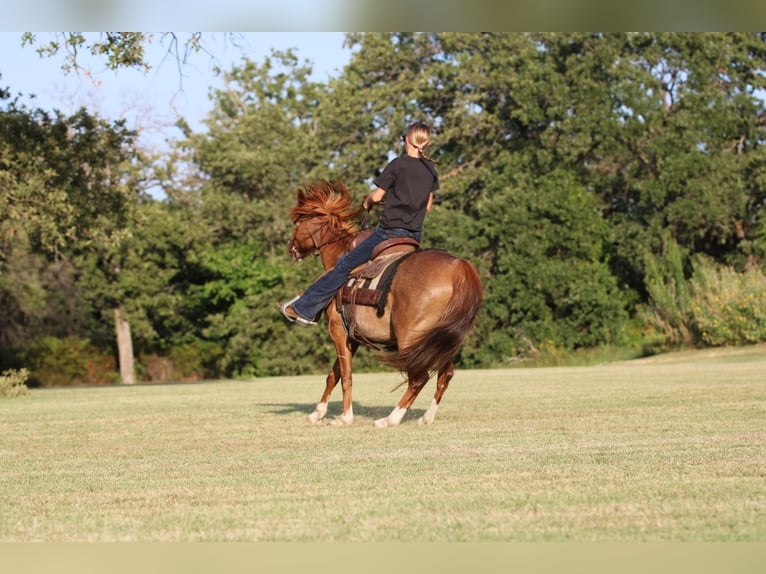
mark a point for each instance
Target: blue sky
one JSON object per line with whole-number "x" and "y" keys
{"x": 151, "y": 102}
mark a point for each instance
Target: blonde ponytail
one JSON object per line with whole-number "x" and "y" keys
{"x": 419, "y": 136}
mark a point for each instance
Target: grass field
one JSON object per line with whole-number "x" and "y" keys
{"x": 671, "y": 448}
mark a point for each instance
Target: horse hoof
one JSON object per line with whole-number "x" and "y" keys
{"x": 319, "y": 412}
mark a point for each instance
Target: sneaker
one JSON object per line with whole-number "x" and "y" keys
{"x": 292, "y": 315}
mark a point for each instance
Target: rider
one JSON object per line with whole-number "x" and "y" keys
{"x": 409, "y": 181}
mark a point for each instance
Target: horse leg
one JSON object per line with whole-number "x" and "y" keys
{"x": 347, "y": 413}
{"x": 442, "y": 382}
{"x": 332, "y": 379}
{"x": 414, "y": 386}
{"x": 345, "y": 349}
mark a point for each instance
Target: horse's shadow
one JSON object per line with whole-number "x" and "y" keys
{"x": 334, "y": 409}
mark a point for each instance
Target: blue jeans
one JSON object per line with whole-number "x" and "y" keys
{"x": 320, "y": 292}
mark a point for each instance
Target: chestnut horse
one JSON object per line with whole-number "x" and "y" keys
{"x": 431, "y": 307}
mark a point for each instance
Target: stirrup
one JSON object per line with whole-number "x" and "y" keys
{"x": 297, "y": 319}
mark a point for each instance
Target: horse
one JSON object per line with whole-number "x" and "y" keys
{"x": 432, "y": 305}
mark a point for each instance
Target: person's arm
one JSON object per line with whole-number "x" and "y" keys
{"x": 430, "y": 201}
{"x": 375, "y": 197}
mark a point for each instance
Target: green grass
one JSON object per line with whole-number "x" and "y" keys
{"x": 671, "y": 448}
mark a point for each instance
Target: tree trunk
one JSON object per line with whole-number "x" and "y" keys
{"x": 124, "y": 347}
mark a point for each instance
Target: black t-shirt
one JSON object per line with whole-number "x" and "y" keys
{"x": 408, "y": 182}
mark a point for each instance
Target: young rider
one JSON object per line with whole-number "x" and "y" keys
{"x": 408, "y": 184}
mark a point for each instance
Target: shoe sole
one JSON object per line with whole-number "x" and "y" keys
{"x": 297, "y": 320}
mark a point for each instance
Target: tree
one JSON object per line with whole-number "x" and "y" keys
{"x": 263, "y": 140}
{"x": 119, "y": 49}
{"x": 508, "y": 200}
{"x": 64, "y": 194}
{"x": 638, "y": 132}
{"x": 678, "y": 145}
{"x": 569, "y": 163}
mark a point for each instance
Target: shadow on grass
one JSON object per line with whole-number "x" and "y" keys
{"x": 334, "y": 409}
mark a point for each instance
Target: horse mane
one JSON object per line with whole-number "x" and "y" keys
{"x": 329, "y": 200}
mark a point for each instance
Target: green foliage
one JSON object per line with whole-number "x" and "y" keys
{"x": 65, "y": 204}
{"x": 728, "y": 307}
{"x": 69, "y": 361}
{"x": 678, "y": 149}
{"x": 13, "y": 383}
{"x": 669, "y": 310}
{"x": 571, "y": 300}
{"x": 61, "y": 178}
{"x": 121, "y": 49}
{"x": 239, "y": 299}
{"x": 261, "y": 139}
{"x": 22, "y": 293}
{"x": 709, "y": 305}
{"x": 154, "y": 275}
{"x": 585, "y": 174}
{"x": 117, "y": 49}
{"x": 559, "y": 166}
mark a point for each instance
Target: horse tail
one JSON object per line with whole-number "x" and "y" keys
{"x": 435, "y": 348}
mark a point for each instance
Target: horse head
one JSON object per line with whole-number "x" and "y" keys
{"x": 324, "y": 213}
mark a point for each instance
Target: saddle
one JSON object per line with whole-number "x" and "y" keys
{"x": 370, "y": 283}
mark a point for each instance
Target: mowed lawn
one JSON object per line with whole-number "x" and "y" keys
{"x": 671, "y": 448}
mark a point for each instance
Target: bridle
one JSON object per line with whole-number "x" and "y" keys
{"x": 314, "y": 233}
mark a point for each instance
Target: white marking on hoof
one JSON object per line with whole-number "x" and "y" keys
{"x": 430, "y": 414}
{"x": 319, "y": 412}
{"x": 344, "y": 420}
{"x": 391, "y": 420}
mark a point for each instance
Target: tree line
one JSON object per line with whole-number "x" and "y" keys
{"x": 609, "y": 187}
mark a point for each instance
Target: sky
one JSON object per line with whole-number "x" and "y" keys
{"x": 152, "y": 101}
